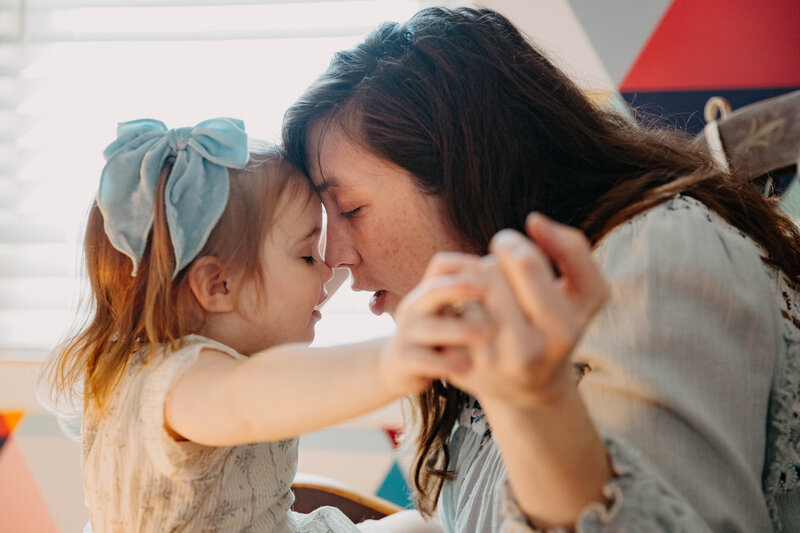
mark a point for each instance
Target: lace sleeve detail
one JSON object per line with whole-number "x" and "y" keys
{"x": 782, "y": 470}
{"x": 637, "y": 499}
{"x": 683, "y": 362}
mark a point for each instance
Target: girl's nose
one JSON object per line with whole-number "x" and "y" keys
{"x": 326, "y": 271}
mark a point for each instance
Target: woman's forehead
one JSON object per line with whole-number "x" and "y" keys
{"x": 338, "y": 161}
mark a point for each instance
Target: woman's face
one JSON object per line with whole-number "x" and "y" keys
{"x": 380, "y": 225}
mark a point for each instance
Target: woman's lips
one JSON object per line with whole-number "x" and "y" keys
{"x": 377, "y": 303}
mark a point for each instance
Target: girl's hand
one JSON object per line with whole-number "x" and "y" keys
{"x": 429, "y": 342}
{"x": 538, "y": 317}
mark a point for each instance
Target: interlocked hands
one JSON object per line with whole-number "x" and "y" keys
{"x": 503, "y": 327}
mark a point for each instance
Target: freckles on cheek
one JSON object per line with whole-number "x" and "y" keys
{"x": 387, "y": 239}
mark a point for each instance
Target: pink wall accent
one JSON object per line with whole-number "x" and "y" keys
{"x": 21, "y": 506}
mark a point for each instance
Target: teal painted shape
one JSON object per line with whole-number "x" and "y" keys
{"x": 395, "y": 488}
{"x": 791, "y": 198}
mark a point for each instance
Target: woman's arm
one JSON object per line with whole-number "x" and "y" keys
{"x": 682, "y": 369}
{"x": 555, "y": 459}
{"x": 291, "y": 389}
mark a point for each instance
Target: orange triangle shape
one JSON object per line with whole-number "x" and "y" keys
{"x": 22, "y": 507}
{"x": 11, "y": 419}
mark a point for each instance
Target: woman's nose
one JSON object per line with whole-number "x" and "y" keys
{"x": 339, "y": 249}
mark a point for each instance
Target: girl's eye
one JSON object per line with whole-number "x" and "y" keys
{"x": 309, "y": 259}
{"x": 349, "y": 214}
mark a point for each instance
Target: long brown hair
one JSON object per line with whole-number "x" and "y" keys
{"x": 485, "y": 121}
{"x": 150, "y": 309}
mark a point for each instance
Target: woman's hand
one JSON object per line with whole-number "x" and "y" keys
{"x": 523, "y": 377}
{"x": 538, "y": 317}
{"x": 430, "y": 343}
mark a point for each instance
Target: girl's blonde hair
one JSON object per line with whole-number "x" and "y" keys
{"x": 152, "y": 309}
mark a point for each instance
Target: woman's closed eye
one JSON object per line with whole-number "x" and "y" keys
{"x": 309, "y": 259}
{"x": 349, "y": 214}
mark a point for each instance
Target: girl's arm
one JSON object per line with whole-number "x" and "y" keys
{"x": 292, "y": 389}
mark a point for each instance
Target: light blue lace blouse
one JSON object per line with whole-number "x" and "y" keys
{"x": 694, "y": 381}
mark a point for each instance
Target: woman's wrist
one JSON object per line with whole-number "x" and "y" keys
{"x": 556, "y": 460}
{"x": 552, "y": 394}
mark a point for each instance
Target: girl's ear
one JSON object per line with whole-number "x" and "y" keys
{"x": 210, "y": 284}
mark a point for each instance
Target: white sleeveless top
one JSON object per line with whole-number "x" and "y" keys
{"x": 138, "y": 478}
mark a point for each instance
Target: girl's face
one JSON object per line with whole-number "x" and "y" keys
{"x": 282, "y": 309}
{"x": 380, "y": 225}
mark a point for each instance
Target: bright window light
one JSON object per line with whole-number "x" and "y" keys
{"x": 71, "y": 69}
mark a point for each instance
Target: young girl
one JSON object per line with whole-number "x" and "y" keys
{"x": 204, "y": 264}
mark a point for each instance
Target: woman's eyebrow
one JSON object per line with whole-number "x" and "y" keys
{"x": 314, "y": 231}
{"x": 325, "y": 185}
{"x": 331, "y": 183}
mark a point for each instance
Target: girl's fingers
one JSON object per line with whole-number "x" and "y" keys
{"x": 572, "y": 253}
{"x": 433, "y": 365}
{"x": 441, "y": 292}
{"x": 446, "y": 331}
{"x": 444, "y": 263}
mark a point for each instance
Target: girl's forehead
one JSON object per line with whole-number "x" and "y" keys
{"x": 298, "y": 220}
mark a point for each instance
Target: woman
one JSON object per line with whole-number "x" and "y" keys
{"x": 435, "y": 134}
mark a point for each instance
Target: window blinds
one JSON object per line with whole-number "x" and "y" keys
{"x": 71, "y": 69}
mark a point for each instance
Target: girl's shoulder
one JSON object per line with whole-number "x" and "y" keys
{"x": 187, "y": 349}
{"x": 195, "y": 343}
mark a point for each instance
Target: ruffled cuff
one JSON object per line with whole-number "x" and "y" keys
{"x": 637, "y": 501}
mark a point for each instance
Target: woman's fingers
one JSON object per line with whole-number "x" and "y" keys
{"x": 500, "y": 300}
{"x": 572, "y": 253}
{"x": 531, "y": 280}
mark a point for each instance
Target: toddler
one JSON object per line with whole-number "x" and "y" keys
{"x": 194, "y": 369}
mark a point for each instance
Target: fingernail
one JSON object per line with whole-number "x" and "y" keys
{"x": 533, "y": 216}
{"x": 505, "y": 238}
{"x": 540, "y": 223}
{"x": 487, "y": 261}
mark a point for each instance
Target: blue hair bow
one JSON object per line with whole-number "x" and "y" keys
{"x": 196, "y": 191}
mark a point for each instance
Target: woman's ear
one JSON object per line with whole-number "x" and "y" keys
{"x": 210, "y": 284}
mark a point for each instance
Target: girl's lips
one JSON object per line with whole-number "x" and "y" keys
{"x": 316, "y": 314}
{"x": 377, "y": 303}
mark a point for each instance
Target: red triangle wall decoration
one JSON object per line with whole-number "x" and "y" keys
{"x": 720, "y": 44}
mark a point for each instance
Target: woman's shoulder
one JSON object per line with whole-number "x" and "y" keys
{"x": 682, "y": 233}
{"x": 678, "y": 218}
